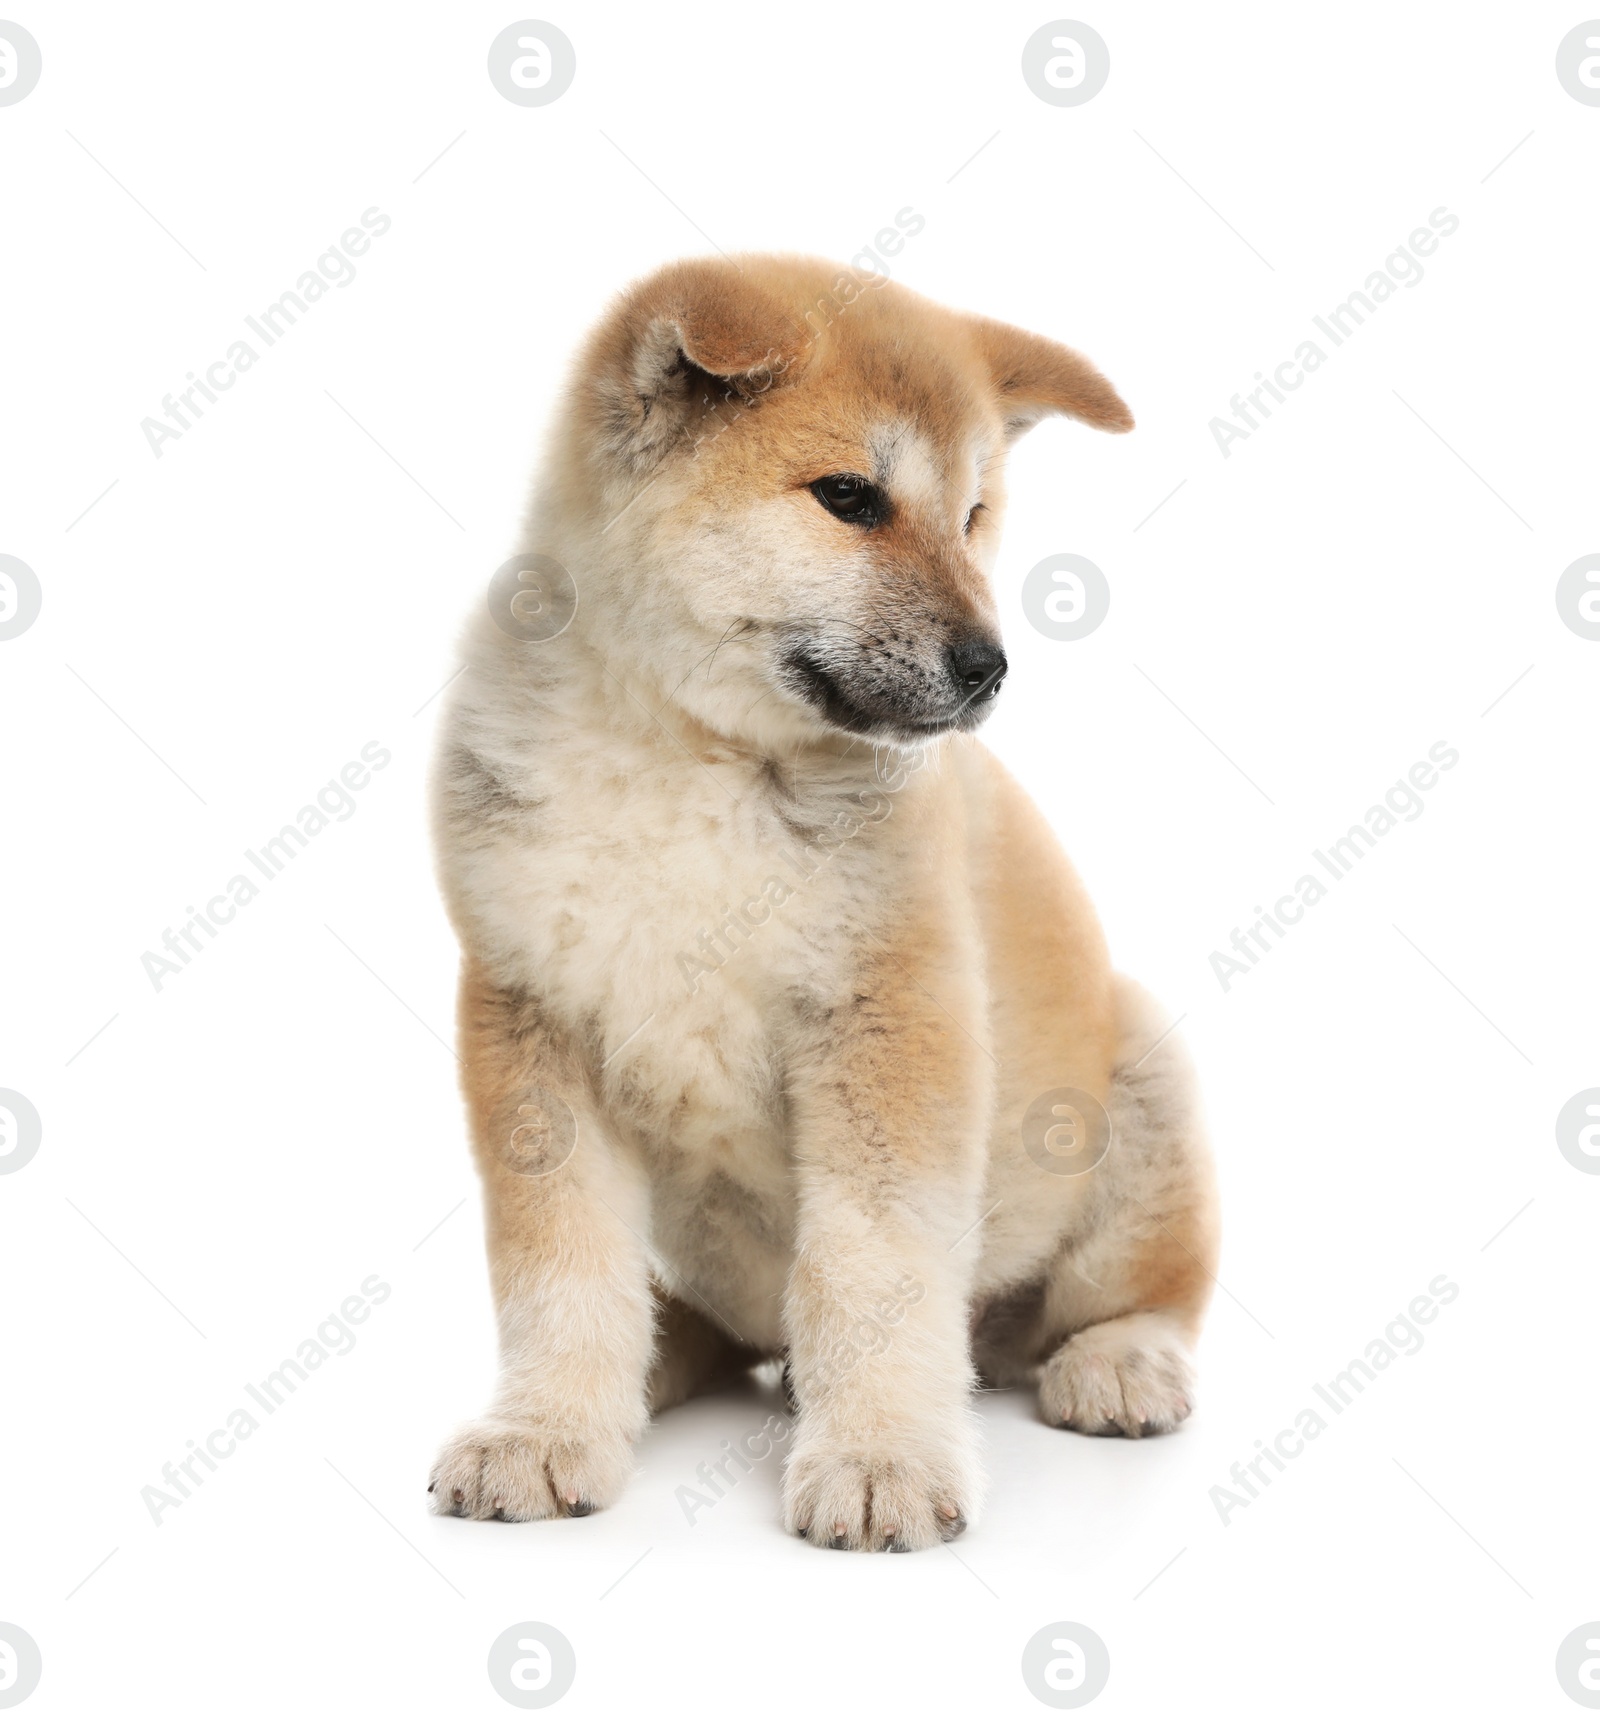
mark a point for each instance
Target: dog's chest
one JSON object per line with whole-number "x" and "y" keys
{"x": 674, "y": 913}
{"x": 657, "y": 893}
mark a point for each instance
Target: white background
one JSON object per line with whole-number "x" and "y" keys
{"x": 281, "y": 1120}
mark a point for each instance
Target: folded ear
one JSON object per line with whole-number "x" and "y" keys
{"x": 696, "y": 339}
{"x": 1034, "y": 376}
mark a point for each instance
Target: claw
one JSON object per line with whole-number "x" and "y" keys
{"x": 950, "y": 1519}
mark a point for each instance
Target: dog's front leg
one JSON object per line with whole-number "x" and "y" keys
{"x": 890, "y": 1104}
{"x": 564, "y": 1216}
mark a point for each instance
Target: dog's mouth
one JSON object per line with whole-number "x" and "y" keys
{"x": 881, "y": 717}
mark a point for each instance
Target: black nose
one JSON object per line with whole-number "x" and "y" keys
{"x": 977, "y": 666}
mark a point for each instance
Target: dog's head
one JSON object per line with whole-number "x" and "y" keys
{"x": 781, "y": 483}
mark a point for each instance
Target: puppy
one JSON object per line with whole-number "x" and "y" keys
{"x": 787, "y": 1031}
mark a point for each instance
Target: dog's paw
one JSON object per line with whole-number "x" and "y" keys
{"x": 1128, "y": 1377}
{"x": 864, "y": 1499}
{"x": 499, "y": 1469}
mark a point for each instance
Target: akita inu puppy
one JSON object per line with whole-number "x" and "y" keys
{"x": 787, "y": 1031}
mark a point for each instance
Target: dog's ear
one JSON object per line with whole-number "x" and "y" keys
{"x": 1034, "y": 376}
{"x": 698, "y": 339}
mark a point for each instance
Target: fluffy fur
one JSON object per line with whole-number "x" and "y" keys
{"x": 754, "y": 926}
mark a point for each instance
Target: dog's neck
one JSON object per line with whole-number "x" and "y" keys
{"x": 573, "y": 700}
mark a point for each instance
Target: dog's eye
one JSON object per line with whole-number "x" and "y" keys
{"x": 972, "y": 518}
{"x": 851, "y": 498}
